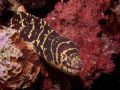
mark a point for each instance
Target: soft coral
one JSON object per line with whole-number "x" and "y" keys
{"x": 78, "y": 21}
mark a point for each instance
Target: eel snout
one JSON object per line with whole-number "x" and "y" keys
{"x": 72, "y": 63}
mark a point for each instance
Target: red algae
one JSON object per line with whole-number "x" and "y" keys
{"x": 83, "y": 21}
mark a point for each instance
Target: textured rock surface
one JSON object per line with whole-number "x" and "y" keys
{"x": 19, "y": 65}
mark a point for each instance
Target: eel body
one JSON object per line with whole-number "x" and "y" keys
{"x": 57, "y": 51}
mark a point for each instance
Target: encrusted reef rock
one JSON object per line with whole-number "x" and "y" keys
{"x": 19, "y": 62}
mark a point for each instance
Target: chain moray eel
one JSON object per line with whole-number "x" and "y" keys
{"x": 59, "y": 52}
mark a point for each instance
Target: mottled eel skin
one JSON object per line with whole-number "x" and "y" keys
{"x": 59, "y": 52}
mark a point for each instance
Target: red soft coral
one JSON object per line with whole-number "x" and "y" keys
{"x": 78, "y": 21}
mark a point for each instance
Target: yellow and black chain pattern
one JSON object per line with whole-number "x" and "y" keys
{"x": 59, "y": 52}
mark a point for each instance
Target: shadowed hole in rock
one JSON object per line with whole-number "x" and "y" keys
{"x": 99, "y": 35}
{"x": 102, "y": 21}
{"x": 107, "y": 12}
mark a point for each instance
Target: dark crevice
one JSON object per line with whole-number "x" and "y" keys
{"x": 43, "y": 10}
{"x": 109, "y": 81}
{"x": 99, "y": 35}
{"x": 102, "y": 21}
{"x": 107, "y": 12}
{"x": 65, "y": 1}
{"x": 6, "y": 15}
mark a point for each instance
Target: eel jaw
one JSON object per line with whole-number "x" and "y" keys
{"x": 71, "y": 63}
{"x": 74, "y": 68}
{"x": 71, "y": 71}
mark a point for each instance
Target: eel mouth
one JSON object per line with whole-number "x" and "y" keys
{"x": 70, "y": 70}
{"x": 66, "y": 69}
{"x": 73, "y": 68}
